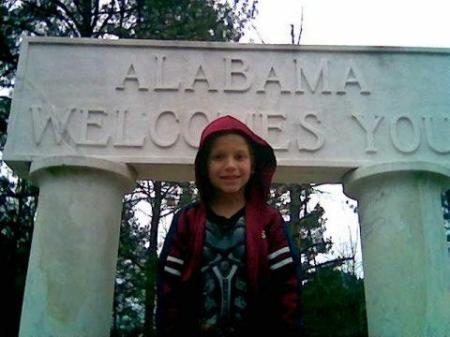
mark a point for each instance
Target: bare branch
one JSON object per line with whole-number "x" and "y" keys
{"x": 105, "y": 21}
{"x": 300, "y": 29}
{"x": 258, "y": 34}
{"x": 69, "y": 13}
{"x": 292, "y": 34}
{"x": 135, "y": 261}
{"x": 337, "y": 262}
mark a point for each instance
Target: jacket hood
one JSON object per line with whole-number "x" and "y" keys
{"x": 264, "y": 158}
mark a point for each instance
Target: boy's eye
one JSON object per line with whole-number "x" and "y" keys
{"x": 217, "y": 156}
{"x": 241, "y": 156}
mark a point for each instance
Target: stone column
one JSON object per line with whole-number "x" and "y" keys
{"x": 70, "y": 279}
{"x": 406, "y": 263}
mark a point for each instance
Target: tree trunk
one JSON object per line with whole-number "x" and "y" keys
{"x": 294, "y": 213}
{"x": 151, "y": 264}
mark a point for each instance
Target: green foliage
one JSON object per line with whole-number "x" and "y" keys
{"x": 128, "y": 316}
{"x": 446, "y": 205}
{"x": 5, "y": 105}
{"x": 66, "y": 18}
{"x": 136, "y": 277}
{"x": 334, "y": 305}
{"x": 17, "y": 208}
{"x": 17, "y": 197}
{"x": 307, "y": 229}
{"x": 10, "y": 32}
{"x": 204, "y": 20}
{"x": 333, "y": 300}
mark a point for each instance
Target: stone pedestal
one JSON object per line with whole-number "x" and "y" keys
{"x": 406, "y": 264}
{"x": 70, "y": 279}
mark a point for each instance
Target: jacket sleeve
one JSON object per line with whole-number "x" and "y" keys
{"x": 170, "y": 268}
{"x": 284, "y": 265}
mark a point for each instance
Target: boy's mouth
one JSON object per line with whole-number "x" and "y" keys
{"x": 229, "y": 177}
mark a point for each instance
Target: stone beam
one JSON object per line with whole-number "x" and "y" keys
{"x": 326, "y": 110}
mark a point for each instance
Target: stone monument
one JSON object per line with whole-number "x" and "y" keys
{"x": 91, "y": 116}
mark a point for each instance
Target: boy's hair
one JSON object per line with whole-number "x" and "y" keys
{"x": 206, "y": 189}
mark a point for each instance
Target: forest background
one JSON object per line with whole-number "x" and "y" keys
{"x": 333, "y": 294}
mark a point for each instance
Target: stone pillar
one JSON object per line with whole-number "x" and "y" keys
{"x": 406, "y": 263}
{"x": 70, "y": 279}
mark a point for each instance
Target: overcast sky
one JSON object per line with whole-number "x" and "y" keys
{"x": 355, "y": 22}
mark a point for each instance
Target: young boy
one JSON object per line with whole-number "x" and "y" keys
{"x": 227, "y": 268}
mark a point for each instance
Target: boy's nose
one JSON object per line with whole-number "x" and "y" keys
{"x": 230, "y": 163}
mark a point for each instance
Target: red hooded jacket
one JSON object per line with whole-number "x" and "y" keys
{"x": 271, "y": 265}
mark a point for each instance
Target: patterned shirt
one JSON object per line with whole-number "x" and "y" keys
{"x": 224, "y": 285}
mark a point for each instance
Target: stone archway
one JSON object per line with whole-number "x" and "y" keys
{"x": 89, "y": 117}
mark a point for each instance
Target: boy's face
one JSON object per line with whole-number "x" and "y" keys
{"x": 230, "y": 165}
